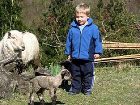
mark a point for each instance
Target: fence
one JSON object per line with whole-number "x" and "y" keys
{"x": 118, "y": 45}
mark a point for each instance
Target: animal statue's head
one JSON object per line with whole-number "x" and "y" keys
{"x": 13, "y": 41}
{"x": 66, "y": 75}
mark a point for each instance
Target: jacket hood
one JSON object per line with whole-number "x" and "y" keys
{"x": 74, "y": 23}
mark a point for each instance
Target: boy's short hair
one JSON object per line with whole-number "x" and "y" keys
{"x": 83, "y": 8}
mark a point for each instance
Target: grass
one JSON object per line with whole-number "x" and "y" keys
{"x": 112, "y": 87}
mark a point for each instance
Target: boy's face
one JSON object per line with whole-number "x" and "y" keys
{"x": 81, "y": 18}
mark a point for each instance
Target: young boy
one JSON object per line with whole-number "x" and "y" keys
{"x": 83, "y": 45}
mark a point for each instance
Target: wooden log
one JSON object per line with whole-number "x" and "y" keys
{"x": 118, "y": 45}
{"x": 119, "y": 58}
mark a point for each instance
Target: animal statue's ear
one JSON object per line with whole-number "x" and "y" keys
{"x": 9, "y": 35}
{"x": 62, "y": 67}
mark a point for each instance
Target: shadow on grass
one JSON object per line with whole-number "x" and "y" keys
{"x": 57, "y": 102}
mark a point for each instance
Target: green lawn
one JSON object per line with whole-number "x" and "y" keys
{"x": 112, "y": 87}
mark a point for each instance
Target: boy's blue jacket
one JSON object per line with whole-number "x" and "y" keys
{"x": 83, "y": 45}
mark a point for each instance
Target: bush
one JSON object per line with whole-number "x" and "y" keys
{"x": 10, "y": 16}
{"x": 53, "y": 32}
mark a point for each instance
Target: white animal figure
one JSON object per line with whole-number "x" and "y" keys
{"x": 24, "y": 42}
{"x": 31, "y": 52}
{"x": 11, "y": 43}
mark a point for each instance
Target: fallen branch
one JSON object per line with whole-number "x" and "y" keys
{"x": 119, "y": 58}
{"x": 118, "y": 45}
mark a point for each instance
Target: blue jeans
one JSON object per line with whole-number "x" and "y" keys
{"x": 82, "y": 76}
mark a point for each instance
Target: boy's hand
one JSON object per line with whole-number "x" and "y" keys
{"x": 69, "y": 57}
{"x": 96, "y": 56}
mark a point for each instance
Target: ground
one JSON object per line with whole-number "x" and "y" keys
{"x": 112, "y": 86}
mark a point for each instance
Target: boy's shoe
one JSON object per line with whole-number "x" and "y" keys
{"x": 87, "y": 93}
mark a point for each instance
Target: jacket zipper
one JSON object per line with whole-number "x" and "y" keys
{"x": 80, "y": 40}
{"x": 80, "y": 43}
